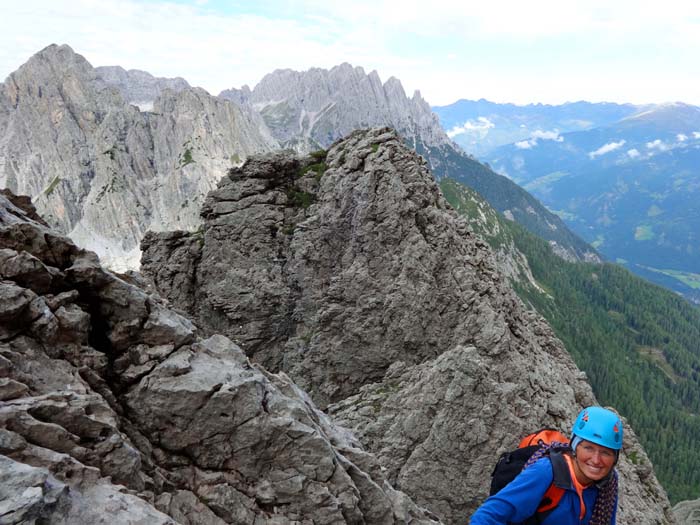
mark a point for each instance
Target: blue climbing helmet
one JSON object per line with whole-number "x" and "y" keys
{"x": 600, "y": 426}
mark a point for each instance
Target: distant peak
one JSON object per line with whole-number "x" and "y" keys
{"x": 393, "y": 81}
{"x": 52, "y": 48}
{"x": 55, "y": 51}
{"x": 55, "y": 58}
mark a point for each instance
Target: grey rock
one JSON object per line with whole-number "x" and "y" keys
{"x": 114, "y": 410}
{"x": 310, "y": 110}
{"x": 240, "y": 406}
{"x": 74, "y": 323}
{"x": 31, "y": 495}
{"x": 139, "y": 87}
{"x": 26, "y": 493}
{"x": 14, "y": 308}
{"x": 101, "y": 171}
{"x": 11, "y": 441}
{"x": 11, "y": 389}
{"x": 21, "y": 232}
{"x": 372, "y": 294}
{"x": 24, "y": 269}
{"x": 62, "y": 299}
{"x": 687, "y": 512}
{"x": 165, "y": 325}
{"x": 181, "y": 251}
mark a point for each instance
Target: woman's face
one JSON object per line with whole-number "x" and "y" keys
{"x": 592, "y": 462}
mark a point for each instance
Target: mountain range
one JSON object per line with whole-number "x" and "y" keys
{"x": 101, "y": 170}
{"x": 480, "y": 126}
{"x": 630, "y": 188}
{"x": 107, "y": 154}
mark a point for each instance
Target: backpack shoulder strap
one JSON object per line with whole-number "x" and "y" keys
{"x": 560, "y": 482}
{"x": 560, "y": 468}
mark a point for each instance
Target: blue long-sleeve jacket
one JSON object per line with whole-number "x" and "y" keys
{"x": 519, "y": 500}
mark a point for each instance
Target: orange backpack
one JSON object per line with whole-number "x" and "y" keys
{"x": 545, "y": 442}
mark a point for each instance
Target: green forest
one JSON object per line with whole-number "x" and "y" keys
{"x": 638, "y": 343}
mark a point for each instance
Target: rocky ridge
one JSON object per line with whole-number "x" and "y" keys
{"x": 139, "y": 87}
{"x": 103, "y": 172}
{"x": 107, "y": 154}
{"x": 113, "y": 406}
{"x": 309, "y": 110}
{"x": 489, "y": 224}
{"x": 352, "y": 274}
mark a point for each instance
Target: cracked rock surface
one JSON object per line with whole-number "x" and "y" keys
{"x": 102, "y": 171}
{"x": 351, "y": 274}
{"x": 113, "y": 409}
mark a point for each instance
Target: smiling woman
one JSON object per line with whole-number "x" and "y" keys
{"x": 582, "y": 489}
{"x": 592, "y": 462}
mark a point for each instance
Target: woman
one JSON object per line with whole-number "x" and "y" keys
{"x": 586, "y": 493}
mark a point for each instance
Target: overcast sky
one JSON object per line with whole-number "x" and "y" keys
{"x": 549, "y": 51}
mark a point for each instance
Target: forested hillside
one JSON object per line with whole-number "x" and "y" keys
{"x": 509, "y": 198}
{"x": 630, "y": 189}
{"x": 638, "y": 343}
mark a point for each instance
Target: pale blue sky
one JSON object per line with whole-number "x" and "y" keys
{"x": 546, "y": 51}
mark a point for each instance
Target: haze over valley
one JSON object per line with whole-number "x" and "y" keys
{"x": 624, "y": 177}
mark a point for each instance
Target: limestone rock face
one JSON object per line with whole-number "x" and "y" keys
{"x": 351, "y": 274}
{"x": 113, "y": 408}
{"x": 139, "y": 87}
{"x": 100, "y": 170}
{"x": 310, "y": 110}
{"x": 107, "y": 154}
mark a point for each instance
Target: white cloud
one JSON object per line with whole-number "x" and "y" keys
{"x": 606, "y": 148}
{"x": 480, "y": 125}
{"x": 696, "y": 134}
{"x": 681, "y": 137}
{"x": 526, "y": 144}
{"x": 633, "y": 153}
{"x": 537, "y": 135}
{"x": 658, "y": 144}
{"x": 547, "y": 135}
{"x": 208, "y": 48}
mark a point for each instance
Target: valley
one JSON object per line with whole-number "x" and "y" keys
{"x": 628, "y": 184}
